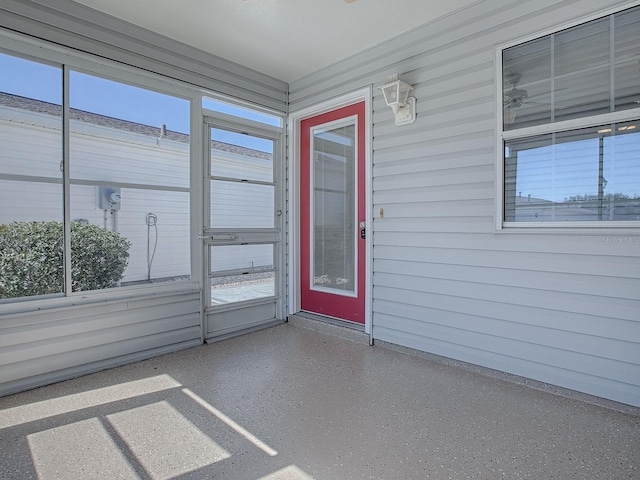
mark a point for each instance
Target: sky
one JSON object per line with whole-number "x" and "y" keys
{"x": 114, "y": 99}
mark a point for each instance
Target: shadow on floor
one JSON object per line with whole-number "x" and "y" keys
{"x": 294, "y": 403}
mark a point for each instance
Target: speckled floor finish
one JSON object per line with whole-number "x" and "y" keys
{"x": 293, "y": 403}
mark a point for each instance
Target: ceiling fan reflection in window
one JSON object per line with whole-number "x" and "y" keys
{"x": 514, "y": 98}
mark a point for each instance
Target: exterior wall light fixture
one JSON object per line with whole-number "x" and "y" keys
{"x": 396, "y": 94}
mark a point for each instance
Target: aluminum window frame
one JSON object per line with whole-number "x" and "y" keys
{"x": 229, "y": 236}
{"x": 67, "y": 59}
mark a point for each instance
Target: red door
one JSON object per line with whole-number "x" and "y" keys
{"x": 332, "y": 214}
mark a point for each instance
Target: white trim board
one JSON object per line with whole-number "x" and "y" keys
{"x": 293, "y": 181}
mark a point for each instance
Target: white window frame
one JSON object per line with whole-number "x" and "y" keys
{"x": 554, "y": 127}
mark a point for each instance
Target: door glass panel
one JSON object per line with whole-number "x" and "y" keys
{"x": 241, "y": 205}
{"x": 249, "y": 258}
{"x": 334, "y": 208}
{"x": 242, "y": 196}
{"x": 239, "y": 288}
{"x": 241, "y": 156}
{"x": 250, "y": 273}
{"x": 242, "y": 186}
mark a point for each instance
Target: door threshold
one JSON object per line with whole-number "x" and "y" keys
{"x": 340, "y": 328}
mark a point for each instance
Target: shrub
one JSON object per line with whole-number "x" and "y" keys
{"x": 31, "y": 261}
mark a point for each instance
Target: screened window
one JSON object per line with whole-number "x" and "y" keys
{"x": 129, "y": 175}
{"x": 571, "y": 124}
{"x": 127, "y": 181}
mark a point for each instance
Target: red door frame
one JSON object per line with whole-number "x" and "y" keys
{"x": 344, "y": 307}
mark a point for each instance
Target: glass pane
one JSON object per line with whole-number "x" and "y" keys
{"x": 238, "y": 288}
{"x": 128, "y": 136}
{"x": 569, "y": 74}
{"x": 582, "y": 48}
{"x": 627, "y": 52}
{"x": 527, "y": 84}
{"x": 590, "y": 174}
{"x": 150, "y": 226}
{"x": 249, "y": 258}
{"x": 334, "y": 208}
{"x": 31, "y": 261}
{"x": 241, "y": 156}
{"x": 241, "y": 205}
{"x": 582, "y": 70}
{"x": 241, "y": 112}
{"x": 30, "y": 239}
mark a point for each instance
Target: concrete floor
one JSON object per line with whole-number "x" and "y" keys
{"x": 293, "y": 403}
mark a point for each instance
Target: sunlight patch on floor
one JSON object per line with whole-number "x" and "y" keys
{"x": 99, "y": 396}
{"x": 288, "y": 473}
{"x": 78, "y": 450}
{"x": 165, "y": 443}
{"x": 245, "y": 433}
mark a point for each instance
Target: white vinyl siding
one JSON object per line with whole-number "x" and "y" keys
{"x": 559, "y": 307}
{"x": 68, "y": 340}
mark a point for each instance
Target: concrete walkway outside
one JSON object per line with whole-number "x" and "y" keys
{"x": 294, "y": 403}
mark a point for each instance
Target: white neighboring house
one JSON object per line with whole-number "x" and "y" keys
{"x": 139, "y": 159}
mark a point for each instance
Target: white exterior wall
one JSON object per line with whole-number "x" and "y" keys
{"x": 558, "y": 306}
{"x": 100, "y": 154}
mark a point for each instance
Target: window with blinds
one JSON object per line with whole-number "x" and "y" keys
{"x": 571, "y": 125}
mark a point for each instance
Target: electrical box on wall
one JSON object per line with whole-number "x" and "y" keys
{"x": 109, "y": 198}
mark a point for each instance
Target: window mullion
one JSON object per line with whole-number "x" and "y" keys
{"x": 66, "y": 184}
{"x": 612, "y": 64}
{"x": 552, "y": 80}
{"x": 576, "y": 123}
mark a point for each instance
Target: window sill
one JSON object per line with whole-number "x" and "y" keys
{"x": 575, "y": 228}
{"x": 110, "y": 295}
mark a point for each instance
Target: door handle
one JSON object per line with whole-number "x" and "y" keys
{"x": 363, "y": 230}
{"x": 217, "y": 237}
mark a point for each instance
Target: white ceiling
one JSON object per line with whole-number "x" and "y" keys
{"x": 286, "y": 39}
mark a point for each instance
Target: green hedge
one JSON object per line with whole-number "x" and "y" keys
{"x": 31, "y": 260}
